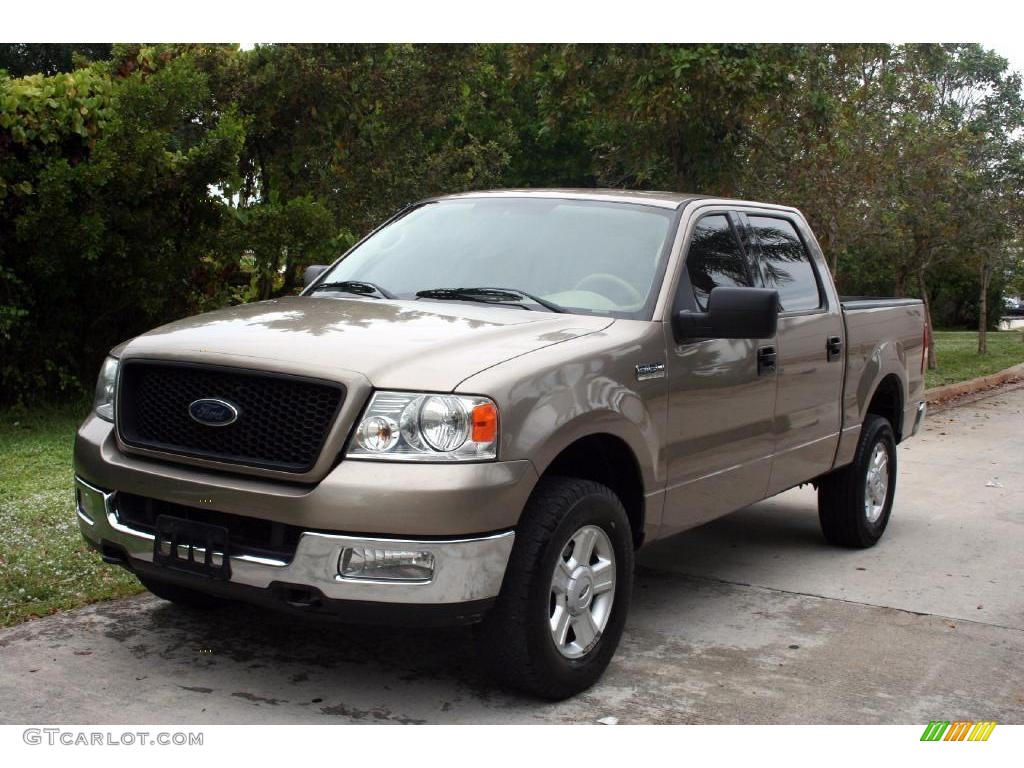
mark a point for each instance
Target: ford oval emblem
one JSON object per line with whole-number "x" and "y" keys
{"x": 213, "y": 412}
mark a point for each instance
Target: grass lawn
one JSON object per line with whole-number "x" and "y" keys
{"x": 44, "y": 564}
{"x": 957, "y": 354}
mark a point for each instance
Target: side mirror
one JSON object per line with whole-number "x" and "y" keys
{"x": 733, "y": 313}
{"x": 312, "y": 273}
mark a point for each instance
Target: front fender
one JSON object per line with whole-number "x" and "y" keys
{"x": 551, "y": 398}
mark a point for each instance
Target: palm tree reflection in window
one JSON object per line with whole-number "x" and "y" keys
{"x": 715, "y": 259}
{"x": 785, "y": 264}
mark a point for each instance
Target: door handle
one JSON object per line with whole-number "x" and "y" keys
{"x": 833, "y": 348}
{"x": 766, "y": 358}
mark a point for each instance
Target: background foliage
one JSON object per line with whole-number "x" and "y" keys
{"x": 141, "y": 183}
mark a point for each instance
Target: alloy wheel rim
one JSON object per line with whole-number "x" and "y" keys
{"x": 582, "y": 592}
{"x": 876, "y": 483}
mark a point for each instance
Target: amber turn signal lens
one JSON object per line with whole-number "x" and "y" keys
{"x": 485, "y": 423}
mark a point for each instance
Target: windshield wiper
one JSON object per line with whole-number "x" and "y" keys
{"x": 489, "y": 296}
{"x": 358, "y": 287}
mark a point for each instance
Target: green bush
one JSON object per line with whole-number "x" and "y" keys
{"x": 168, "y": 180}
{"x": 105, "y": 207}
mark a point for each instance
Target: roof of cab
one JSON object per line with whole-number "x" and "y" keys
{"x": 659, "y": 199}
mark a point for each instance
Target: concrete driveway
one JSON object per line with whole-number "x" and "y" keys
{"x": 751, "y": 619}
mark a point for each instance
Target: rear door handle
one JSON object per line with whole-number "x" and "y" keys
{"x": 833, "y": 348}
{"x": 766, "y": 358}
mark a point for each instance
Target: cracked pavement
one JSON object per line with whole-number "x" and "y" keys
{"x": 749, "y": 619}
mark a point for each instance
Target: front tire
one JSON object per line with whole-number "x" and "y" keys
{"x": 854, "y": 503}
{"x": 563, "y": 604}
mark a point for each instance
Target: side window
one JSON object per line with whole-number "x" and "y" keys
{"x": 715, "y": 259}
{"x": 786, "y": 264}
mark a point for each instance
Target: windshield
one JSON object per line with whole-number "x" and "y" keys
{"x": 583, "y": 256}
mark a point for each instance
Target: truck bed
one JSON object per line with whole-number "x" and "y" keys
{"x": 884, "y": 337}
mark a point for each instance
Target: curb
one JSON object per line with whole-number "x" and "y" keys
{"x": 948, "y": 392}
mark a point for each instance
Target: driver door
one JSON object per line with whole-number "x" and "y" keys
{"x": 719, "y": 438}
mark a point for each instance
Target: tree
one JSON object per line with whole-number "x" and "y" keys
{"x": 817, "y": 145}
{"x": 996, "y": 199}
{"x": 646, "y": 116}
{"x": 892, "y": 153}
{"x": 958, "y": 182}
{"x": 159, "y": 181}
{"x": 20, "y": 59}
{"x": 368, "y": 129}
{"x": 106, "y": 207}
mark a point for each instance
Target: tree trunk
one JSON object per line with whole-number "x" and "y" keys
{"x": 832, "y": 235}
{"x": 901, "y": 284}
{"x": 986, "y": 278}
{"x": 922, "y": 288}
{"x": 291, "y": 275}
{"x": 266, "y": 281}
{"x": 265, "y": 286}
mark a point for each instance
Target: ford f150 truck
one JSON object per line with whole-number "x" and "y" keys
{"x": 483, "y": 408}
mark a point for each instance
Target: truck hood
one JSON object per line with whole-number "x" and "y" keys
{"x": 423, "y": 344}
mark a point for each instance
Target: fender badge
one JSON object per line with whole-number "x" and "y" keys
{"x": 645, "y": 371}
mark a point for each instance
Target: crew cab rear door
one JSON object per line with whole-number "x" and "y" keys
{"x": 811, "y": 358}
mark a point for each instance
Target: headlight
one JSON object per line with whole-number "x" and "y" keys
{"x": 415, "y": 426}
{"x": 103, "y": 403}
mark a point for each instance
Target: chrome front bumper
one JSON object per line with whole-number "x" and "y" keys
{"x": 466, "y": 569}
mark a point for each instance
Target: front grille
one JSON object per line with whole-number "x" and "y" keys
{"x": 246, "y": 535}
{"x": 282, "y": 420}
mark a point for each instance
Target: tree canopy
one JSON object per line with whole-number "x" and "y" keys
{"x": 139, "y": 183}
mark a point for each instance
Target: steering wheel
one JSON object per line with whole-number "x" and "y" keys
{"x": 620, "y": 289}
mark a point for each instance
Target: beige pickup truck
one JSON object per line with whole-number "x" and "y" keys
{"x": 480, "y": 411}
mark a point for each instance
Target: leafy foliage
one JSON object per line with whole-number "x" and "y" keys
{"x": 106, "y": 207}
{"x": 162, "y": 180}
{"x": 20, "y": 59}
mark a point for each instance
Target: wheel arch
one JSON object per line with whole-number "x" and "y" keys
{"x": 887, "y": 401}
{"x": 608, "y": 459}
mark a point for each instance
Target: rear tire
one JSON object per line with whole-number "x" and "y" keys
{"x": 179, "y": 595}
{"x": 563, "y": 604}
{"x": 854, "y": 503}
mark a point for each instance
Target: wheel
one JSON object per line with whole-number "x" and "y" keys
{"x": 563, "y": 604}
{"x": 179, "y": 595}
{"x": 854, "y": 502}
